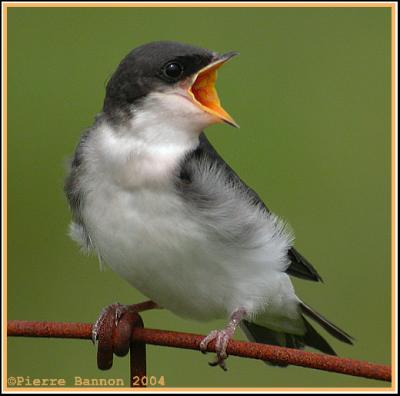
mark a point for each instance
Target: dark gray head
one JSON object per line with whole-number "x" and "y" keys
{"x": 164, "y": 67}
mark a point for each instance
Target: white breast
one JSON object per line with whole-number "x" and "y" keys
{"x": 144, "y": 232}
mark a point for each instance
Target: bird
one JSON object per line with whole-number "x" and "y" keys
{"x": 153, "y": 199}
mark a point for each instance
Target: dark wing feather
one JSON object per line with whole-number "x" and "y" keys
{"x": 300, "y": 266}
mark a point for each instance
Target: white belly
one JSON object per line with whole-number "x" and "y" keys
{"x": 147, "y": 237}
{"x": 145, "y": 232}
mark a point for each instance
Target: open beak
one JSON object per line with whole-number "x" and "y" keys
{"x": 203, "y": 93}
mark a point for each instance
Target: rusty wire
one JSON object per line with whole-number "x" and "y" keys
{"x": 142, "y": 336}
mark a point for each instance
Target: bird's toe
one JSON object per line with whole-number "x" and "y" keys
{"x": 107, "y": 313}
{"x": 221, "y": 338}
{"x": 206, "y": 340}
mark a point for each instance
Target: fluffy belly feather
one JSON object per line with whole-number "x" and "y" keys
{"x": 149, "y": 239}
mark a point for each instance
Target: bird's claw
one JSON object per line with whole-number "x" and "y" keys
{"x": 116, "y": 310}
{"x": 222, "y": 338}
{"x": 219, "y": 362}
{"x": 119, "y": 311}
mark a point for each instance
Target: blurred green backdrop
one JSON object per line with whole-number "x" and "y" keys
{"x": 311, "y": 91}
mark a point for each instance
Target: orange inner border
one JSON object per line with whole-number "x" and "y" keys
{"x": 391, "y": 5}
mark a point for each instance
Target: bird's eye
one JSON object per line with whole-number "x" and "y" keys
{"x": 173, "y": 70}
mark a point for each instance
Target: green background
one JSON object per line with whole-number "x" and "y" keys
{"x": 311, "y": 92}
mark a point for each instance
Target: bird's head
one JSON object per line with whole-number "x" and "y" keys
{"x": 171, "y": 80}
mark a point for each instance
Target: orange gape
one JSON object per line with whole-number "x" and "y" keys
{"x": 204, "y": 93}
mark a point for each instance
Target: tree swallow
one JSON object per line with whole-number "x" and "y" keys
{"x": 155, "y": 201}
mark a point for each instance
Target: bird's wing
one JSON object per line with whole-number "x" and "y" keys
{"x": 300, "y": 266}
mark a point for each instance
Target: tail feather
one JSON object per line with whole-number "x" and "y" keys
{"x": 262, "y": 335}
{"x": 311, "y": 338}
{"x": 326, "y": 324}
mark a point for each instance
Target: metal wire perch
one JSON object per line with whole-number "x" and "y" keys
{"x": 139, "y": 337}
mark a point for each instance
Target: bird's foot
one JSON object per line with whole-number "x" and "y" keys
{"x": 112, "y": 314}
{"x": 222, "y": 338}
{"x": 113, "y": 330}
{"x": 109, "y": 315}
